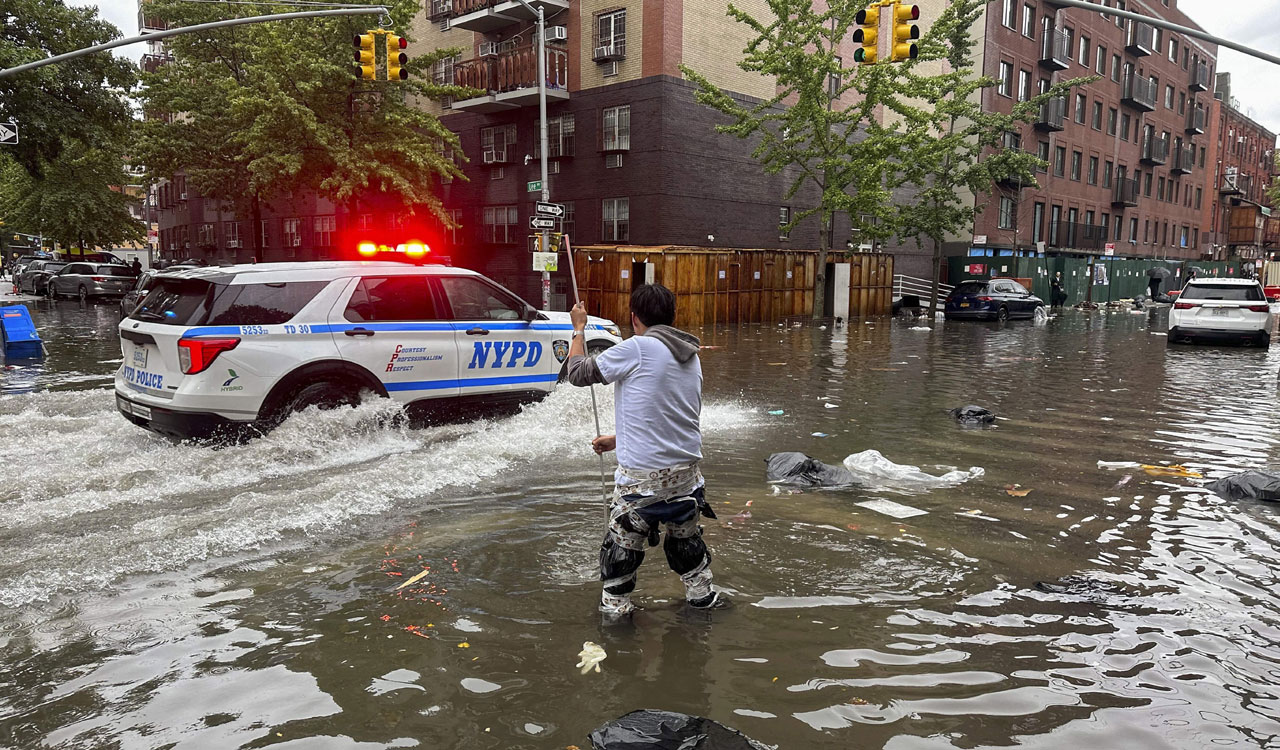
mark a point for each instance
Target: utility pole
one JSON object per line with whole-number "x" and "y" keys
{"x": 545, "y": 243}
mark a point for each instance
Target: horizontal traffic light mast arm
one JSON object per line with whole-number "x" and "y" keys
{"x": 366, "y": 10}
{"x": 1197, "y": 33}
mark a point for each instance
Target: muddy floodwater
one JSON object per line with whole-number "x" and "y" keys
{"x": 155, "y": 595}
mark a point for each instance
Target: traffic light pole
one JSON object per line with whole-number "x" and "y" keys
{"x": 542, "y": 136}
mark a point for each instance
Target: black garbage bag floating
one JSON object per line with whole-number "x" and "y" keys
{"x": 1248, "y": 485}
{"x": 799, "y": 470}
{"x": 649, "y": 729}
{"x": 972, "y": 415}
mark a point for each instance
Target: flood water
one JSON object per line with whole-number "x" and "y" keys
{"x": 171, "y": 596}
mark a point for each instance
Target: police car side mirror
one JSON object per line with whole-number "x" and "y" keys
{"x": 530, "y": 314}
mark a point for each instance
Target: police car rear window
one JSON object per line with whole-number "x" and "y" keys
{"x": 262, "y": 304}
{"x": 175, "y": 302}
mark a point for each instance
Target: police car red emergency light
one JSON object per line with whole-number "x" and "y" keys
{"x": 227, "y": 351}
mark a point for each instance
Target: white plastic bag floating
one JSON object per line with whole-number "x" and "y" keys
{"x": 875, "y": 470}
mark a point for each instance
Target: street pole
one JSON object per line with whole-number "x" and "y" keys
{"x": 542, "y": 119}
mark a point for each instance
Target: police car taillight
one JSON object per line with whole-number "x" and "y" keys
{"x": 195, "y": 355}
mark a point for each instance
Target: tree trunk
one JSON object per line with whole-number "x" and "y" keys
{"x": 937, "y": 278}
{"x": 820, "y": 275}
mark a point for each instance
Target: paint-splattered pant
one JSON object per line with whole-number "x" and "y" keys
{"x": 632, "y": 530}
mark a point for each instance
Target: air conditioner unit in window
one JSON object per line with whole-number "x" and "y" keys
{"x": 182, "y": 196}
{"x": 608, "y": 52}
{"x": 488, "y": 49}
{"x": 557, "y": 34}
{"x": 297, "y": 241}
{"x": 494, "y": 156}
{"x": 233, "y": 243}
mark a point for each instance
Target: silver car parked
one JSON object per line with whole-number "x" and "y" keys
{"x": 34, "y": 278}
{"x": 85, "y": 280}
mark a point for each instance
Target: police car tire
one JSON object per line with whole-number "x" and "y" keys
{"x": 325, "y": 394}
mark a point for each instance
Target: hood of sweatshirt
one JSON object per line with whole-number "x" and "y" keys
{"x": 683, "y": 345}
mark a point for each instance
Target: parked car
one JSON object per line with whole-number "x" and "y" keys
{"x": 140, "y": 288}
{"x": 1227, "y": 311}
{"x": 22, "y": 262}
{"x": 34, "y": 279}
{"x": 85, "y": 280}
{"x": 996, "y": 299}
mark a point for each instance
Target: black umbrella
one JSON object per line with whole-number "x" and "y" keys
{"x": 1159, "y": 272}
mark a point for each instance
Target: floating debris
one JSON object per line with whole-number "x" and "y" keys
{"x": 590, "y": 656}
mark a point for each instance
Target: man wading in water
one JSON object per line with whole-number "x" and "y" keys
{"x": 658, "y": 487}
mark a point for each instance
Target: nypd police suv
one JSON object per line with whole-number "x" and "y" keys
{"x": 213, "y": 351}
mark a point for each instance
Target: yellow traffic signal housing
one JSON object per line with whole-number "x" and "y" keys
{"x": 905, "y": 32}
{"x": 868, "y": 21}
{"x": 396, "y": 58}
{"x": 366, "y": 56}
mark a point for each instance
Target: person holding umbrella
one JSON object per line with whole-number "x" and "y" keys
{"x": 1157, "y": 275}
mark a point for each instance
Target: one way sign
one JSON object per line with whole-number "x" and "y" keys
{"x": 8, "y": 133}
{"x": 549, "y": 209}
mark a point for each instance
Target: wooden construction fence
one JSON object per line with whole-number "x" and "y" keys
{"x": 715, "y": 286}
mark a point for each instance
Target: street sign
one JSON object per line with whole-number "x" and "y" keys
{"x": 545, "y": 261}
{"x": 549, "y": 209}
{"x": 8, "y": 133}
{"x": 1109, "y": 248}
{"x": 541, "y": 222}
{"x": 533, "y": 186}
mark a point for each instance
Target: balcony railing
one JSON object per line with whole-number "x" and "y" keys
{"x": 490, "y": 15}
{"x": 1195, "y": 120}
{"x": 1053, "y": 114}
{"x": 151, "y": 63}
{"x": 1234, "y": 184}
{"x": 1055, "y": 50}
{"x": 1155, "y": 150}
{"x": 1184, "y": 160}
{"x": 1067, "y": 234}
{"x": 1139, "y": 93}
{"x": 1142, "y": 39}
{"x": 510, "y": 79}
{"x": 1199, "y": 80}
{"x": 1126, "y": 193}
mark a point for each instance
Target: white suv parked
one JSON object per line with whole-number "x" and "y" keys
{"x": 1222, "y": 311}
{"x": 210, "y": 352}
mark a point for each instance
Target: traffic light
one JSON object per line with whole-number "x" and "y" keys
{"x": 904, "y": 32}
{"x": 366, "y": 56}
{"x": 396, "y": 58}
{"x": 868, "y": 20}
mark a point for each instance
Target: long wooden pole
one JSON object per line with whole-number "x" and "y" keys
{"x": 595, "y": 409}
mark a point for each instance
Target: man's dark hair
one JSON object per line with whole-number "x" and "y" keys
{"x": 654, "y": 305}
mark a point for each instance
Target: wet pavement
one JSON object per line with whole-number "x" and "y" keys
{"x": 158, "y": 595}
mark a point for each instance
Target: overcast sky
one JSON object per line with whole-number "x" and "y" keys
{"x": 1250, "y": 22}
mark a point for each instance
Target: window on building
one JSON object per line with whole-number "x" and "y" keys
{"x": 1084, "y": 50}
{"x": 1037, "y": 222}
{"x": 1101, "y": 61}
{"x": 323, "y": 229}
{"x": 1055, "y": 219}
{"x": 834, "y": 80}
{"x": 1147, "y": 187}
{"x": 1006, "y": 218}
{"x": 615, "y": 214}
{"x": 1182, "y": 102}
{"x": 231, "y": 232}
{"x": 1008, "y": 17}
{"x": 568, "y": 223}
{"x": 1106, "y": 225}
{"x": 1173, "y": 49}
{"x": 784, "y": 218}
{"x": 1029, "y": 21}
{"x": 365, "y": 221}
{"x": 560, "y": 137}
{"x": 1073, "y": 221}
{"x": 617, "y": 128}
{"x": 1097, "y": 115}
{"x": 1042, "y": 151}
{"x": 1071, "y": 38}
{"x": 204, "y": 234}
{"x": 1146, "y": 231}
{"x": 442, "y": 73}
{"x": 1112, "y": 114}
{"x": 1059, "y": 161}
{"x": 1160, "y": 189}
{"x": 1106, "y": 174}
{"x": 1202, "y": 157}
{"x": 1199, "y": 193}
{"x": 264, "y": 240}
{"x": 611, "y": 31}
{"x": 455, "y": 229}
{"x": 1115, "y": 68}
{"x": 1093, "y": 170}
{"x": 1119, "y": 227}
{"x": 1082, "y": 103}
{"x": 1124, "y": 126}
{"x": 1168, "y": 97}
{"x": 1076, "y": 158}
{"x": 1195, "y": 237}
{"x": 1024, "y": 85}
{"x": 292, "y": 238}
{"x": 494, "y": 142}
{"x": 1133, "y": 230}
{"x": 501, "y": 224}
{"x": 497, "y": 173}
{"x": 1120, "y": 4}
{"x": 1005, "y": 86}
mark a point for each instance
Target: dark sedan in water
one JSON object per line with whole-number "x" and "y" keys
{"x": 997, "y": 299}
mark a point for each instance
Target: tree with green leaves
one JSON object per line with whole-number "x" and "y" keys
{"x": 78, "y": 200}
{"x": 263, "y": 111}
{"x": 78, "y": 101}
{"x": 821, "y": 124}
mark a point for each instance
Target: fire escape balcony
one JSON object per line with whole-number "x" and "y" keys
{"x": 1184, "y": 160}
{"x": 1155, "y": 151}
{"x": 490, "y": 15}
{"x": 1199, "y": 80}
{"x": 1139, "y": 93}
{"x": 1195, "y": 120}
{"x": 1142, "y": 39}
{"x": 1053, "y": 114}
{"x": 510, "y": 80}
{"x": 1126, "y": 193}
{"x": 1077, "y": 236}
{"x": 1055, "y": 50}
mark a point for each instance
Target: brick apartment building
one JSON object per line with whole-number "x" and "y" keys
{"x": 1127, "y": 153}
{"x": 1239, "y": 218}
